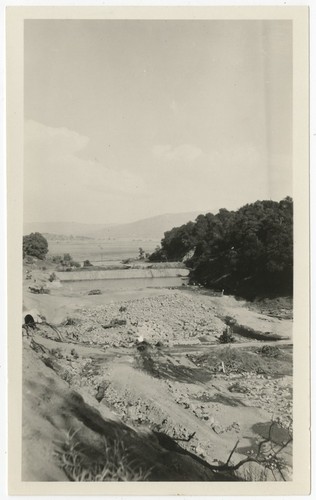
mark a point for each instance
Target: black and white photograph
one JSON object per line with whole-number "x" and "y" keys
{"x": 157, "y": 269}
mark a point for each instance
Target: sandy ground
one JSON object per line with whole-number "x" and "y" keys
{"x": 153, "y": 365}
{"x": 245, "y": 316}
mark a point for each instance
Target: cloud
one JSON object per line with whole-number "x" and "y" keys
{"x": 183, "y": 153}
{"x": 220, "y": 177}
{"x": 237, "y": 156}
{"x": 56, "y": 142}
{"x": 59, "y": 184}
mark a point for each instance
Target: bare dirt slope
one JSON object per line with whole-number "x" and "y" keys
{"x": 67, "y": 434}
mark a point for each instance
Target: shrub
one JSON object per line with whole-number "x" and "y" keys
{"x": 237, "y": 387}
{"x": 56, "y": 259}
{"x": 270, "y": 351}
{"x": 115, "y": 465}
{"x": 68, "y": 262}
{"x": 71, "y": 321}
{"x": 57, "y": 353}
{"x": 87, "y": 263}
{"x": 74, "y": 353}
{"x": 230, "y": 321}
{"x": 29, "y": 260}
{"x": 226, "y": 337}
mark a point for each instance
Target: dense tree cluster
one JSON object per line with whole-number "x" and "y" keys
{"x": 35, "y": 245}
{"x": 247, "y": 252}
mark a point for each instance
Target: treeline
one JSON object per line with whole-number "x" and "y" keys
{"x": 64, "y": 237}
{"x": 248, "y": 252}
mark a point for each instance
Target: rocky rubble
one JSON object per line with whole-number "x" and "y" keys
{"x": 177, "y": 318}
{"x": 275, "y": 396}
{"x": 215, "y": 392}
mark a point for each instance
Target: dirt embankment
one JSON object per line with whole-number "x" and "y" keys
{"x": 280, "y": 307}
{"x": 68, "y": 434}
{"x": 261, "y": 320}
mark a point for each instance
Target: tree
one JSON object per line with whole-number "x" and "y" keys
{"x": 158, "y": 255}
{"x": 67, "y": 257}
{"x": 179, "y": 241}
{"x": 248, "y": 252}
{"x": 36, "y": 245}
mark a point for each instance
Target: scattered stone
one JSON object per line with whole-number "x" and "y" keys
{"x": 114, "y": 322}
{"x": 101, "y": 391}
{"x": 237, "y": 387}
{"x": 217, "y": 429}
{"x": 39, "y": 289}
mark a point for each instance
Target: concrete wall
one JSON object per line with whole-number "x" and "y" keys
{"x": 121, "y": 274}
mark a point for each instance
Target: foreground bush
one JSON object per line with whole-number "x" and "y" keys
{"x": 116, "y": 463}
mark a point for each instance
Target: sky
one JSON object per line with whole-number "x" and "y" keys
{"x": 128, "y": 119}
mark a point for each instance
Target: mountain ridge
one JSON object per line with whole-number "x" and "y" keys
{"x": 147, "y": 228}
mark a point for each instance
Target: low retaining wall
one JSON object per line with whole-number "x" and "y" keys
{"x": 121, "y": 274}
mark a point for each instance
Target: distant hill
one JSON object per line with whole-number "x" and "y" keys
{"x": 150, "y": 228}
{"x": 61, "y": 228}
